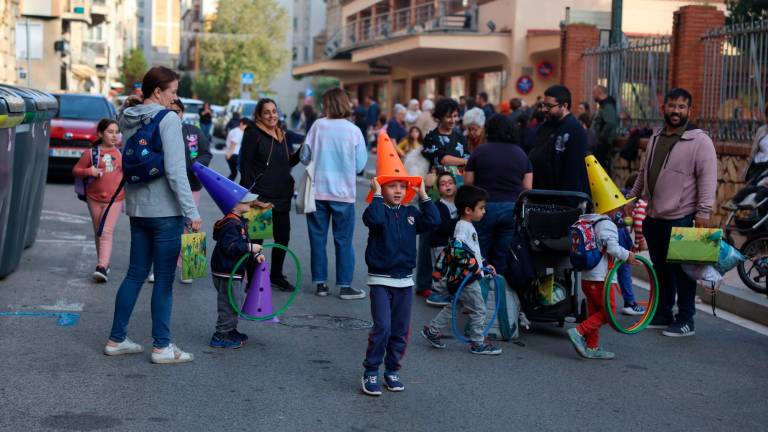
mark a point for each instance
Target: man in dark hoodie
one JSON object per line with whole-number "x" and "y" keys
{"x": 196, "y": 149}
{"x": 605, "y": 124}
{"x": 558, "y": 160}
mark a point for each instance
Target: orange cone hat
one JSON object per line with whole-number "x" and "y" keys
{"x": 390, "y": 168}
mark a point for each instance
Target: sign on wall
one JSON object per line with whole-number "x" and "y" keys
{"x": 524, "y": 85}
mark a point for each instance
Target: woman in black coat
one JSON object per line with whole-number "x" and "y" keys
{"x": 266, "y": 160}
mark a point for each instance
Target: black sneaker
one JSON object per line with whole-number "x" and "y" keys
{"x": 101, "y": 274}
{"x": 236, "y": 335}
{"x": 219, "y": 340}
{"x": 282, "y": 283}
{"x": 679, "y": 330}
{"x": 349, "y": 293}
{"x": 660, "y": 323}
{"x": 433, "y": 338}
{"x": 322, "y": 290}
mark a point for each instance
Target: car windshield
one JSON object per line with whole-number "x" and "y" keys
{"x": 248, "y": 109}
{"x": 82, "y": 108}
{"x": 191, "y": 107}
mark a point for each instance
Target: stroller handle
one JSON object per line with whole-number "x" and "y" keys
{"x": 555, "y": 194}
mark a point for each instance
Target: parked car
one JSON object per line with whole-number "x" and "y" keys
{"x": 245, "y": 107}
{"x": 74, "y": 128}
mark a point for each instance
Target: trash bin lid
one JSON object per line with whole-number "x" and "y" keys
{"x": 45, "y": 102}
{"x": 12, "y": 109}
{"x": 34, "y": 113}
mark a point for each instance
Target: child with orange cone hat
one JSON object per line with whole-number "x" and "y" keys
{"x": 389, "y": 168}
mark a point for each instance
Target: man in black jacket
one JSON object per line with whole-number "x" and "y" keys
{"x": 196, "y": 149}
{"x": 558, "y": 161}
{"x": 605, "y": 124}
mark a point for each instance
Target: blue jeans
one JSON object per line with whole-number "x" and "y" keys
{"x": 155, "y": 242}
{"x": 343, "y": 216}
{"x": 672, "y": 279}
{"x": 495, "y": 233}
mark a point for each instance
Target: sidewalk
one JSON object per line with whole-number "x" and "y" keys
{"x": 733, "y": 296}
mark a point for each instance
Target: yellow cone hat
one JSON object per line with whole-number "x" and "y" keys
{"x": 606, "y": 196}
{"x": 390, "y": 168}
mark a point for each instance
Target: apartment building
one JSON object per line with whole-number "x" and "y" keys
{"x": 396, "y": 50}
{"x": 73, "y": 45}
{"x": 159, "y": 23}
{"x": 9, "y": 14}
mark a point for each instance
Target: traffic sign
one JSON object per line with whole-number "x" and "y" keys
{"x": 246, "y": 78}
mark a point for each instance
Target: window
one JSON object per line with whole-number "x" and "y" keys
{"x": 35, "y": 40}
{"x": 82, "y": 107}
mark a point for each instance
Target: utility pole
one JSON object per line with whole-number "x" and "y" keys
{"x": 614, "y": 72}
{"x": 616, "y": 7}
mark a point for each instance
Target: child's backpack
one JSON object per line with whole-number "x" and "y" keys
{"x": 143, "y": 159}
{"x": 454, "y": 263}
{"x": 81, "y": 183}
{"x": 585, "y": 254}
{"x": 507, "y": 323}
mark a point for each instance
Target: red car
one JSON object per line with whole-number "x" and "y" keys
{"x": 74, "y": 129}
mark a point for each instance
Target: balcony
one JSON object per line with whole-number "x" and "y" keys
{"x": 77, "y": 10}
{"x": 99, "y": 11}
{"x": 443, "y": 16}
{"x": 95, "y": 53}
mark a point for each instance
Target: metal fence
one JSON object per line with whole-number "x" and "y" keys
{"x": 735, "y": 81}
{"x": 636, "y": 75}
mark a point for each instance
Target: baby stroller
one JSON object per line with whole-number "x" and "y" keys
{"x": 552, "y": 293}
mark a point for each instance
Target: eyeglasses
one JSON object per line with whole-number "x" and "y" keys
{"x": 550, "y": 106}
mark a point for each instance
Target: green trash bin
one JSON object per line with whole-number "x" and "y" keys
{"x": 41, "y": 133}
{"x": 25, "y": 168}
{"x": 12, "y": 112}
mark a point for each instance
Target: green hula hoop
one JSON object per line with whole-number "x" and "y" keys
{"x": 653, "y": 300}
{"x": 287, "y": 304}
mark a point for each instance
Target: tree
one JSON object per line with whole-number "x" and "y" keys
{"x": 185, "y": 86}
{"x": 210, "y": 88}
{"x": 246, "y": 36}
{"x": 746, "y": 10}
{"x": 133, "y": 69}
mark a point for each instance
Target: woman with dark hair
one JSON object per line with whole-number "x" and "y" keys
{"x": 502, "y": 168}
{"x": 265, "y": 168}
{"x": 157, "y": 210}
{"x": 102, "y": 168}
{"x": 338, "y": 150}
{"x": 445, "y": 145}
{"x": 206, "y": 119}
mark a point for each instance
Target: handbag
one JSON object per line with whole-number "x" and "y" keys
{"x": 305, "y": 202}
{"x": 695, "y": 245}
{"x": 194, "y": 262}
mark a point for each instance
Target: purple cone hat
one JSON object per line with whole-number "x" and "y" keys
{"x": 224, "y": 192}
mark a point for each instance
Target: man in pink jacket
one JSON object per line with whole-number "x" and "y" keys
{"x": 678, "y": 179}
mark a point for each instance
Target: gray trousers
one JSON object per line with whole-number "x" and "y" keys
{"x": 438, "y": 286}
{"x": 471, "y": 300}
{"x": 227, "y": 320}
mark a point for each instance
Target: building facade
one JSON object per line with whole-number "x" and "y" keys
{"x": 9, "y": 14}
{"x": 160, "y": 31}
{"x": 396, "y": 50}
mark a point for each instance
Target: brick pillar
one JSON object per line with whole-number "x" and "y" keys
{"x": 575, "y": 39}
{"x": 686, "y": 66}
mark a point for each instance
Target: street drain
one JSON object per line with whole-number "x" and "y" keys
{"x": 325, "y": 322}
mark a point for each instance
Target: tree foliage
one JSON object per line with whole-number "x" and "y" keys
{"x": 246, "y": 36}
{"x": 185, "y": 86}
{"x": 746, "y": 10}
{"x": 133, "y": 69}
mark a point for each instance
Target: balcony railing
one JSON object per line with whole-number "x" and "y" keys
{"x": 95, "y": 53}
{"x": 443, "y": 16}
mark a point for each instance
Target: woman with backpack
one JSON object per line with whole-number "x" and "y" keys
{"x": 101, "y": 170}
{"x": 157, "y": 209}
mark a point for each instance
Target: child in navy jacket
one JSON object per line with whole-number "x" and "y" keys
{"x": 391, "y": 258}
{"x": 231, "y": 236}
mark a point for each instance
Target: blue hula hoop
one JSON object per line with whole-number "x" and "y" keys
{"x": 455, "y": 302}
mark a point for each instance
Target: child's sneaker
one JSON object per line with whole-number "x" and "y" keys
{"x": 633, "y": 310}
{"x": 101, "y": 274}
{"x": 433, "y": 338}
{"x": 219, "y": 340}
{"x": 599, "y": 354}
{"x": 371, "y": 384}
{"x": 579, "y": 344}
{"x": 484, "y": 348}
{"x": 392, "y": 382}
{"x": 236, "y": 335}
{"x": 437, "y": 299}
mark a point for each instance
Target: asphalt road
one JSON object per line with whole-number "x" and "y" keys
{"x": 304, "y": 374}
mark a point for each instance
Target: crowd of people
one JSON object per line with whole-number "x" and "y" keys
{"x": 468, "y": 165}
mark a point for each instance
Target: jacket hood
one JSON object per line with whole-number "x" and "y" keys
{"x": 229, "y": 219}
{"x": 133, "y": 117}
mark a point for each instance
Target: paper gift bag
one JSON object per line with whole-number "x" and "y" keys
{"x": 259, "y": 223}
{"x": 194, "y": 262}
{"x": 694, "y": 245}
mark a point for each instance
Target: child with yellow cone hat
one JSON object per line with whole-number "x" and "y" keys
{"x": 389, "y": 168}
{"x": 601, "y": 229}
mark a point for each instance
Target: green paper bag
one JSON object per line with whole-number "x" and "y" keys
{"x": 259, "y": 223}
{"x": 694, "y": 245}
{"x": 194, "y": 262}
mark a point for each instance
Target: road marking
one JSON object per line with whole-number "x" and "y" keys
{"x": 65, "y": 319}
{"x": 67, "y": 241}
{"x": 703, "y": 307}
{"x": 64, "y": 217}
{"x": 63, "y": 307}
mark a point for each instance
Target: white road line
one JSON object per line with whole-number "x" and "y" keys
{"x": 703, "y": 307}
{"x": 64, "y": 217}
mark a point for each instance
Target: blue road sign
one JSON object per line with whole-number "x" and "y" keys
{"x": 246, "y": 78}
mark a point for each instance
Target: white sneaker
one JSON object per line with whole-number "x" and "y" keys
{"x": 186, "y": 281}
{"x": 635, "y": 310}
{"x": 125, "y": 347}
{"x": 151, "y": 278}
{"x": 171, "y": 354}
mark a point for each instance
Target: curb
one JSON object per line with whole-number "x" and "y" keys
{"x": 746, "y": 304}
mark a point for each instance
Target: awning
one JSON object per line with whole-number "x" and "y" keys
{"x": 336, "y": 68}
{"x": 83, "y": 72}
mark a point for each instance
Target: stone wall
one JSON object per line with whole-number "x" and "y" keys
{"x": 731, "y": 165}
